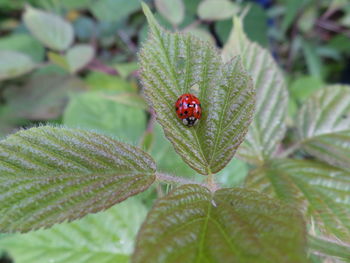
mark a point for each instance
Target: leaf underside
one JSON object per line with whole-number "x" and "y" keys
{"x": 174, "y": 64}
{"x": 320, "y": 191}
{"x": 50, "y": 175}
{"x": 193, "y": 224}
{"x": 324, "y": 125}
{"x": 268, "y": 127}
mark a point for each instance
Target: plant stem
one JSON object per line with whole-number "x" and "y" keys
{"x": 211, "y": 181}
{"x": 166, "y": 178}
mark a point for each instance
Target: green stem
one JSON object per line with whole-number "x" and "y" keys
{"x": 211, "y": 181}
{"x": 166, "y": 178}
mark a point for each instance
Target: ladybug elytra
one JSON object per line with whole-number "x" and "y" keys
{"x": 188, "y": 109}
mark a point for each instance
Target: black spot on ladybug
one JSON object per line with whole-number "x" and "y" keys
{"x": 186, "y": 112}
{"x": 186, "y": 97}
{"x": 177, "y": 109}
{"x": 181, "y": 114}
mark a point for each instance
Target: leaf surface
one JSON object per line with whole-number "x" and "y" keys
{"x": 172, "y": 10}
{"x": 50, "y": 175}
{"x": 192, "y": 224}
{"x": 174, "y": 64}
{"x": 324, "y": 125}
{"x": 268, "y": 126}
{"x": 320, "y": 191}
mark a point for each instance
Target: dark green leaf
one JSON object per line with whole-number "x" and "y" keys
{"x": 51, "y": 175}
{"x": 192, "y": 224}
{"x": 173, "y": 64}
{"x": 321, "y": 191}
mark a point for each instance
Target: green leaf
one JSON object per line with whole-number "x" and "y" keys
{"x": 324, "y": 125}
{"x": 192, "y": 224}
{"x": 14, "y": 64}
{"x": 43, "y": 97}
{"x": 114, "y": 10}
{"x": 216, "y": 9}
{"x": 52, "y": 30}
{"x": 79, "y": 56}
{"x": 105, "y": 237}
{"x": 95, "y": 111}
{"x": 329, "y": 247}
{"x": 50, "y": 175}
{"x": 304, "y": 86}
{"x": 165, "y": 156}
{"x": 321, "y": 191}
{"x": 268, "y": 127}
{"x": 313, "y": 61}
{"x": 171, "y": 65}
{"x": 105, "y": 82}
{"x": 172, "y": 10}
{"x": 23, "y": 43}
{"x": 292, "y": 8}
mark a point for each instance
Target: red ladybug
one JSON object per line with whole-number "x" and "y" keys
{"x": 188, "y": 109}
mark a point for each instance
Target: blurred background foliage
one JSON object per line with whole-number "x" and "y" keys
{"x": 86, "y": 75}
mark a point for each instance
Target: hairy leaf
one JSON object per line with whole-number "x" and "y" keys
{"x": 14, "y": 64}
{"x": 324, "y": 125}
{"x": 173, "y": 64}
{"x": 193, "y": 224}
{"x": 106, "y": 237}
{"x": 52, "y": 30}
{"x": 321, "y": 191}
{"x": 268, "y": 126}
{"x": 50, "y": 175}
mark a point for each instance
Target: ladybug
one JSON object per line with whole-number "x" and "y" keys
{"x": 188, "y": 109}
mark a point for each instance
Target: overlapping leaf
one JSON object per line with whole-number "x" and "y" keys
{"x": 106, "y": 237}
{"x": 193, "y": 224}
{"x": 324, "y": 125}
{"x": 171, "y": 65}
{"x": 319, "y": 190}
{"x": 268, "y": 126}
{"x": 49, "y": 175}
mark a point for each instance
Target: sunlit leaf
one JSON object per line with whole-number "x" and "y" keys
{"x": 172, "y": 10}
{"x": 50, "y": 175}
{"x": 192, "y": 224}
{"x": 58, "y": 59}
{"x": 324, "y": 125}
{"x": 321, "y": 191}
{"x": 216, "y": 9}
{"x": 173, "y": 64}
{"x": 52, "y": 30}
{"x": 268, "y": 126}
{"x": 104, "y": 237}
{"x": 14, "y": 64}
